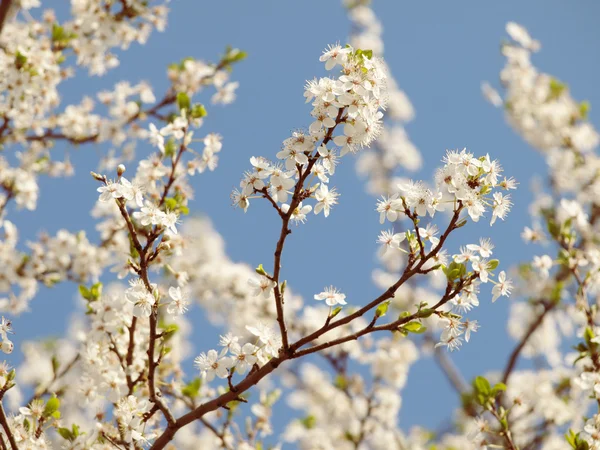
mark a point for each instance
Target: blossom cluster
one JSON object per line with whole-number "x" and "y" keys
{"x": 393, "y": 148}
{"x": 355, "y": 99}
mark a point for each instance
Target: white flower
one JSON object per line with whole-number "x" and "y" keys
{"x": 451, "y": 342}
{"x": 211, "y": 364}
{"x": 299, "y": 214}
{"x": 502, "y": 287}
{"x": 501, "y": 206}
{"x": 389, "y": 240}
{"x": 140, "y": 297}
{"x": 149, "y": 215}
{"x": 266, "y": 335}
{"x": 326, "y": 199}
{"x": 466, "y": 254}
{"x": 156, "y": 138}
{"x": 261, "y": 286}
{"x": 169, "y": 220}
{"x": 335, "y": 54}
{"x": 470, "y": 326}
{"x": 331, "y": 296}
{"x": 543, "y": 263}
{"x": 484, "y": 248}
{"x": 244, "y": 357}
{"x": 110, "y": 191}
{"x": 389, "y": 208}
{"x": 429, "y": 234}
{"x": 179, "y": 303}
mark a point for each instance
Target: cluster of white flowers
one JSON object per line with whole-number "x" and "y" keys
{"x": 119, "y": 372}
{"x": 355, "y": 99}
{"x": 474, "y": 182}
{"x": 538, "y": 105}
{"x": 393, "y": 148}
{"x": 242, "y": 357}
{"x": 50, "y": 260}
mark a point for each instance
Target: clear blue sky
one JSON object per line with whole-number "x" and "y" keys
{"x": 439, "y": 52}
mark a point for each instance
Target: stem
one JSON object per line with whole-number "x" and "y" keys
{"x": 6, "y": 427}
{"x": 254, "y": 377}
{"x": 4, "y": 8}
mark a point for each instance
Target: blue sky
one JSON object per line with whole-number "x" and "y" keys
{"x": 439, "y": 52}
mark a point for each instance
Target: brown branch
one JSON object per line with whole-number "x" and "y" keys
{"x": 5, "y": 6}
{"x": 451, "y": 371}
{"x": 6, "y": 427}
{"x": 514, "y": 356}
{"x": 168, "y": 99}
{"x": 285, "y": 220}
{"x": 388, "y": 294}
{"x": 57, "y": 376}
{"x": 255, "y": 376}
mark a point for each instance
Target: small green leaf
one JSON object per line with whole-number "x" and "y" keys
{"x": 309, "y": 422}
{"x": 425, "y": 312}
{"x": 260, "y": 270}
{"x": 170, "y": 148}
{"x": 183, "y": 101}
{"x": 84, "y": 291}
{"x": 66, "y": 434}
{"x": 233, "y": 55}
{"x": 415, "y": 327}
{"x": 492, "y": 264}
{"x": 20, "y": 60}
{"x": 198, "y": 111}
{"x": 461, "y": 223}
{"x": 192, "y": 388}
{"x": 51, "y": 407}
{"x": 335, "y": 312}
{"x": 556, "y": 88}
{"x": 584, "y": 109}
{"x": 382, "y": 309}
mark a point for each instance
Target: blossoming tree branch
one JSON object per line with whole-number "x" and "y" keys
{"x": 119, "y": 378}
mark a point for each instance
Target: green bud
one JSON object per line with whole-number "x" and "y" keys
{"x": 260, "y": 270}
{"x": 382, "y": 309}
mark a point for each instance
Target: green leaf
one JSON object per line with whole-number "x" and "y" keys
{"x": 170, "y": 148}
{"x": 498, "y": 387}
{"x": 198, "y": 111}
{"x": 55, "y": 364}
{"x": 584, "y": 109}
{"x": 382, "y": 309}
{"x": 183, "y": 101}
{"x": 425, "y": 312}
{"x": 51, "y": 407}
{"x": 335, "y": 312}
{"x": 483, "y": 390}
{"x": 309, "y": 422}
{"x": 84, "y": 291}
{"x": 20, "y": 60}
{"x": 460, "y": 223}
{"x": 492, "y": 264}
{"x": 260, "y": 270}
{"x": 192, "y": 388}
{"x": 96, "y": 290}
{"x": 341, "y": 382}
{"x": 169, "y": 330}
{"x": 415, "y": 327}
{"x": 556, "y": 88}
{"x": 170, "y": 203}
{"x": 66, "y": 434}
{"x": 233, "y": 55}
